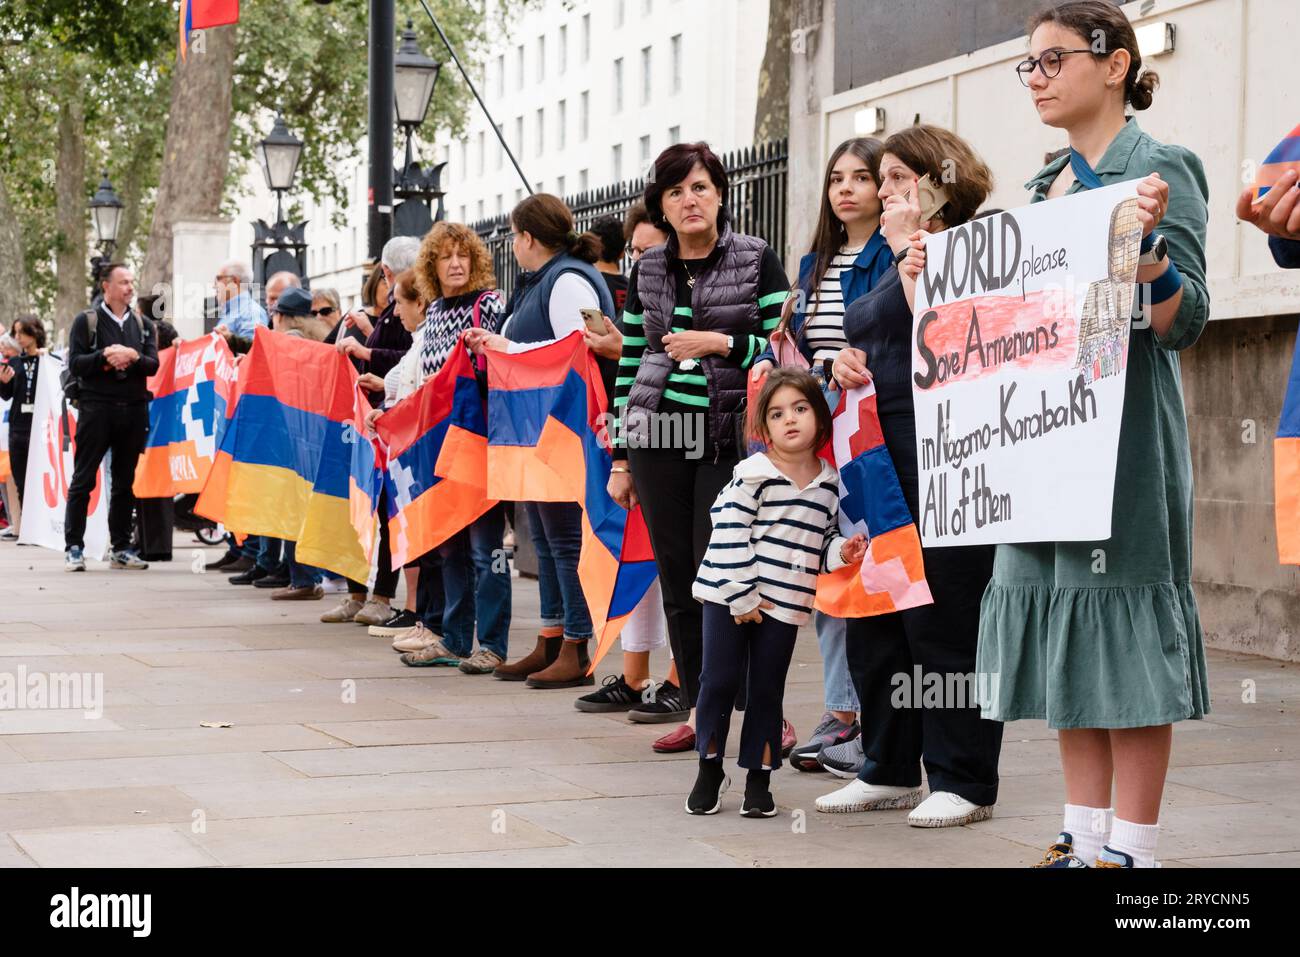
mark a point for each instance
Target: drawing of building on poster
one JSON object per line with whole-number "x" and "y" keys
{"x": 1108, "y": 304}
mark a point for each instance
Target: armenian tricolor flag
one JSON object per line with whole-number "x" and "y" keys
{"x": 892, "y": 576}
{"x": 194, "y": 383}
{"x": 437, "y": 444}
{"x": 1285, "y": 156}
{"x": 285, "y": 461}
{"x": 547, "y": 443}
{"x": 1286, "y": 469}
{"x": 202, "y": 14}
{"x": 365, "y": 478}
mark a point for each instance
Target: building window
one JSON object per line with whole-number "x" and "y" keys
{"x": 561, "y": 122}
{"x": 519, "y": 66}
{"x": 464, "y": 157}
{"x": 645, "y": 75}
{"x": 501, "y": 153}
{"x": 462, "y": 214}
{"x": 541, "y": 58}
{"x": 620, "y": 12}
{"x": 541, "y": 131}
{"x": 586, "y": 37}
{"x": 647, "y": 7}
{"x": 519, "y": 135}
{"x": 482, "y": 150}
{"x": 501, "y": 204}
{"x": 674, "y": 135}
{"x": 584, "y": 116}
{"x": 501, "y": 75}
{"x": 519, "y": 195}
{"x": 676, "y": 44}
{"x": 564, "y": 48}
{"x": 480, "y": 209}
{"x": 645, "y": 151}
{"x": 616, "y": 163}
{"x": 559, "y": 186}
{"x": 618, "y": 85}
{"x": 582, "y": 181}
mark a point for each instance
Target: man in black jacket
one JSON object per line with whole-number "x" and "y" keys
{"x": 112, "y": 351}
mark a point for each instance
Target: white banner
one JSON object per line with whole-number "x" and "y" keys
{"x": 1019, "y": 349}
{"x": 49, "y": 470}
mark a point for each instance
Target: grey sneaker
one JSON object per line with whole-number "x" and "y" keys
{"x": 75, "y": 560}
{"x": 828, "y": 733}
{"x": 843, "y": 760}
{"x": 345, "y": 610}
{"x": 125, "y": 558}
{"x": 482, "y": 662}
{"x": 373, "y": 613}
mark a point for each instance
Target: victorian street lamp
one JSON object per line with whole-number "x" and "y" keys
{"x": 414, "y": 77}
{"x": 279, "y": 247}
{"x": 279, "y": 153}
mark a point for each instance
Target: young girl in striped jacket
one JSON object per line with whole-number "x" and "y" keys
{"x": 774, "y": 529}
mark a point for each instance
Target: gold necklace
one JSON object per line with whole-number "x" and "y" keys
{"x": 690, "y": 278}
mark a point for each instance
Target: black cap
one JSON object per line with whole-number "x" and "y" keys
{"x": 294, "y": 302}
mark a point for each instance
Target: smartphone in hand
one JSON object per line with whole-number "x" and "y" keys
{"x": 595, "y": 320}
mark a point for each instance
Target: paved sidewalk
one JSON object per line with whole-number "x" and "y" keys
{"x": 338, "y": 754}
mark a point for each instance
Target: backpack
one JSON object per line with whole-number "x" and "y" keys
{"x": 72, "y": 384}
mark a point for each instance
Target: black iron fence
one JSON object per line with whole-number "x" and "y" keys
{"x": 758, "y": 179}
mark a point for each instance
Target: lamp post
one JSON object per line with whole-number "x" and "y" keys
{"x": 280, "y": 247}
{"x": 414, "y": 77}
{"x": 105, "y": 216}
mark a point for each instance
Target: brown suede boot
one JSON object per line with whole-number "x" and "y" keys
{"x": 545, "y": 652}
{"x": 568, "y": 671}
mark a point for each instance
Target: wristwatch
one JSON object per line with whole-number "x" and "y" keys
{"x": 1158, "y": 252}
{"x": 731, "y": 343}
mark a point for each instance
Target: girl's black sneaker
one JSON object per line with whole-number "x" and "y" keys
{"x": 660, "y": 705}
{"x": 758, "y": 795}
{"x": 710, "y": 783}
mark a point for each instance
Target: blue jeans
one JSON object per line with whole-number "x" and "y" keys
{"x": 476, "y": 579}
{"x": 556, "y": 528}
{"x": 300, "y": 576}
{"x": 270, "y": 554}
{"x": 837, "y": 683}
{"x": 430, "y": 597}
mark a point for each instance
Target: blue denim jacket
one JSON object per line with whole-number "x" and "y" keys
{"x": 875, "y": 260}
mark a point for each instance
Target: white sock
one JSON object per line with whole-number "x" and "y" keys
{"x": 1138, "y": 841}
{"x": 1089, "y": 827}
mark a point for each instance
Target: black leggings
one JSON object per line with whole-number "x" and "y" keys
{"x": 761, "y": 650}
{"x": 385, "y": 577}
{"x": 676, "y": 494}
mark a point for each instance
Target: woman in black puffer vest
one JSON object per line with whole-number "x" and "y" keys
{"x": 699, "y": 310}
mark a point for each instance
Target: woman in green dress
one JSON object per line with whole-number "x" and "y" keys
{"x": 1103, "y": 639}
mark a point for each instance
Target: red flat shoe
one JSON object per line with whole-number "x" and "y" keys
{"x": 788, "y": 738}
{"x": 681, "y": 738}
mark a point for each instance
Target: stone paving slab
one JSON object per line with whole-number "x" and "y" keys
{"x": 339, "y": 755}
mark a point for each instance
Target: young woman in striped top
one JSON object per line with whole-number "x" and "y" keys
{"x": 774, "y": 529}
{"x": 848, "y": 258}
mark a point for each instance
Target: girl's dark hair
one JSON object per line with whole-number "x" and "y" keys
{"x": 547, "y": 219}
{"x": 32, "y": 326}
{"x": 950, "y": 161}
{"x": 1100, "y": 20}
{"x": 372, "y": 286}
{"x": 795, "y": 378}
{"x": 831, "y": 232}
{"x": 608, "y": 231}
{"x": 167, "y": 334}
{"x": 671, "y": 167}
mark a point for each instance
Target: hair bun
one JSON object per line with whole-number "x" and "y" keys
{"x": 572, "y": 237}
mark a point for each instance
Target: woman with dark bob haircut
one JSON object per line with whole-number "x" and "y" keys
{"x": 959, "y": 749}
{"x": 699, "y": 310}
{"x": 18, "y": 378}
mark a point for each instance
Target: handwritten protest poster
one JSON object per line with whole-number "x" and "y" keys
{"x": 1019, "y": 349}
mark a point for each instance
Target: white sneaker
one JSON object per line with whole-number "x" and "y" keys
{"x": 945, "y": 809}
{"x": 416, "y": 638}
{"x": 373, "y": 613}
{"x": 335, "y": 586}
{"x": 860, "y": 796}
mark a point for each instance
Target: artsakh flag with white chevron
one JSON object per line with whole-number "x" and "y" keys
{"x": 892, "y": 575}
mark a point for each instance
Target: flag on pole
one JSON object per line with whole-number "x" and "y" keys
{"x": 547, "y": 443}
{"x": 892, "y": 575}
{"x": 202, "y": 14}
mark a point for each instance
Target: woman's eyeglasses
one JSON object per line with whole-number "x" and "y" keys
{"x": 326, "y": 311}
{"x": 1049, "y": 63}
